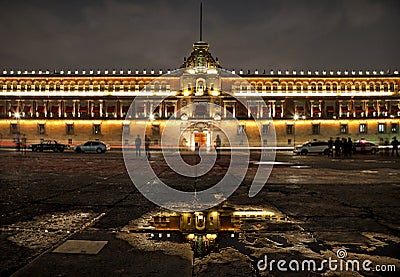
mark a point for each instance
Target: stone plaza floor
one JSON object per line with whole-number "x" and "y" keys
{"x": 332, "y": 204}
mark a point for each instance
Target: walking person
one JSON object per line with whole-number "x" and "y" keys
{"x": 23, "y": 144}
{"x": 330, "y": 147}
{"x": 147, "y": 147}
{"x": 345, "y": 147}
{"x": 338, "y": 146}
{"x": 138, "y": 144}
{"x": 218, "y": 146}
{"x": 17, "y": 142}
{"x": 395, "y": 146}
{"x": 349, "y": 146}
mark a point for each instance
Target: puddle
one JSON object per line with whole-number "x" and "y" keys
{"x": 369, "y": 171}
{"x": 273, "y": 163}
{"x": 283, "y": 242}
{"x": 300, "y": 166}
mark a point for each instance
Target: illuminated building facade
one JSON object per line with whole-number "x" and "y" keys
{"x": 75, "y": 106}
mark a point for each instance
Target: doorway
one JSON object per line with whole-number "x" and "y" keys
{"x": 200, "y": 139}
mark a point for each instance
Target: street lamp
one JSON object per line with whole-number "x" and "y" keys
{"x": 295, "y": 117}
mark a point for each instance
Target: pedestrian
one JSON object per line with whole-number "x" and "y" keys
{"x": 330, "y": 147}
{"x": 218, "y": 146}
{"x": 17, "y": 142}
{"x": 350, "y": 146}
{"x": 147, "y": 147}
{"x": 338, "y": 146}
{"x": 395, "y": 146}
{"x": 23, "y": 143}
{"x": 345, "y": 147}
{"x": 138, "y": 143}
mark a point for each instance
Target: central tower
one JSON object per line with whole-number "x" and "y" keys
{"x": 200, "y": 56}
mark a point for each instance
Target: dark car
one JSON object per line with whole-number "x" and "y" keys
{"x": 48, "y": 145}
{"x": 363, "y": 146}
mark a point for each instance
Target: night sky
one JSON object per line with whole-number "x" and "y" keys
{"x": 269, "y": 34}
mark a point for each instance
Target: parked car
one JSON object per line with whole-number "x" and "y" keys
{"x": 363, "y": 146}
{"x": 48, "y": 145}
{"x": 92, "y": 146}
{"x": 319, "y": 147}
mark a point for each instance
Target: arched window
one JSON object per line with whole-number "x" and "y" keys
{"x": 378, "y": 87}
{"x": 117, "y": 85}
{"x": 275, "y": 87}
{"x": 328, "y": 86}
{"x": 305, "y": 87}
{"x": 313, "y": 87}
{"x": 87, "y": 86}
{"x": 43, "y": 86}
{"x": 283, "y": 87}
{"x": 51, "y": 86}
{"x": 371, "y": 86}
{"x": 259, "y": 86}
{"x": 110, "y": 86}
{"x": 385, "y": 87}
{"x": 23, "y": 86}
{"x": 364, "y": 87}
{"x": 126, "y": 86}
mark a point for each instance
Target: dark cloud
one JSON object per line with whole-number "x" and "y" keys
{"x": 275, "y": 34}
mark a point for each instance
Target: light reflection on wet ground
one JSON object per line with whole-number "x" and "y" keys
{"x": 351, "y": 203}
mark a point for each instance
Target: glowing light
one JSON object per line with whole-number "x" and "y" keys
{"x": 214, "y": 93}
{"x": 296, "y": 117}
{"x": 211, "y": 236}
{"x": 17, "y": 115}
{"x": 253, "y": 213}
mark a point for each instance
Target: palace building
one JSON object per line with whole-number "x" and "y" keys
{"x": 73, "y": 106}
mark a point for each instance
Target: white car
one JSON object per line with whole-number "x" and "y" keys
{"x": 92, "y": 146}
{"x": 318, "y": 147}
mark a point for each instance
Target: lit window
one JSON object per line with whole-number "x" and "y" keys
{"x": 381, "y": 128}
{"x": 265, "y": 128}
{"x": 240, "y": 129}
{"x": 126, "y": 129}
{"x": 70, "y": 129}
{"x": 289, "y": 129}
{"x": 315, "y": 129}
{"x": 394, "y": 128}
{"x": 155, "y": 130}
{"x": 96, "y": 129}
{"x": 13, "y": 128}
{"x": 363, "y": 128}
{"x": 41, "y": 129}
{"x": 343, "y": 129}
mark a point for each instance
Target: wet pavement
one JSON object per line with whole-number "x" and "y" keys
{"x": 331, "y": 204}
